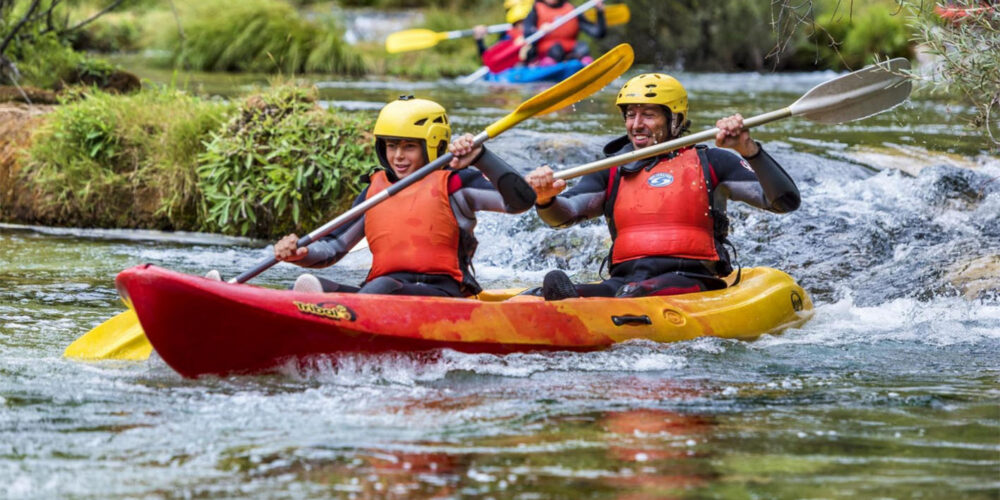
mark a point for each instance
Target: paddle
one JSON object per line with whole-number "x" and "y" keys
{"x": 419, "y": 39}
{"x": 121, "y": 337}
{"x": 863, "y": 93}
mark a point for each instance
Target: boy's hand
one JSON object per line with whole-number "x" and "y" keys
{"x": 287, "y": 249}
{"x": 464, "y": 150}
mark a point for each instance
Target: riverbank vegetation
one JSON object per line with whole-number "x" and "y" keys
{"x": 166, "y": 160}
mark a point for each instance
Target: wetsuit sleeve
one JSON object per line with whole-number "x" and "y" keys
{"x": 581, "y": 202}
{"x": 595, "y": 30}
{"x": 496, "y": 187}
{"x": 759, "y": 181}
{"x": 481, "y": 46}
{"x": 516, "y": 193}
{"x": 329, "y": 249}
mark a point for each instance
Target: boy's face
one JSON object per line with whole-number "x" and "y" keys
{"x": 646, "y": 124}
{"x": 405, "y": 156}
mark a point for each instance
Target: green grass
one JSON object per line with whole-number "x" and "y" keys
{"x": 121, "y": 161}
{"x": 251, "y": 35}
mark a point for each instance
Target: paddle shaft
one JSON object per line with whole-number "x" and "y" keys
{"x": 658, "y": 149}
{"x": 495, "y": 28}
{"x": 360, "y": 209}
{"x": 619, "y": 11}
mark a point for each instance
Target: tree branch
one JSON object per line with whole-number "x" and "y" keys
{"x": 87, "y": 21}
{"x": 17, "y": 27}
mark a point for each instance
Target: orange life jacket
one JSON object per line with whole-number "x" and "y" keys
{"x": 414, "y": 231}
{"x": 665, "y": 211}
{"x": 515, "y": 32}
{"x": 564, "y": 35}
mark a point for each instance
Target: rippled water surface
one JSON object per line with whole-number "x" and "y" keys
{"x": 890, "y": 391}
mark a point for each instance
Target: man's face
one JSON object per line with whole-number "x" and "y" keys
{"x": 646, "y": 125}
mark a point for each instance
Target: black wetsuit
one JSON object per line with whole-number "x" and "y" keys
{"x": 758, "y": 181}
{"x": 474, "y": 192}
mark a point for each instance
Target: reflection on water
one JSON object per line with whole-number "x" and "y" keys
{"x": 889, "y": 391}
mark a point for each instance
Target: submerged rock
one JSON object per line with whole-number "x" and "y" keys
{"x": 978, "y": 278}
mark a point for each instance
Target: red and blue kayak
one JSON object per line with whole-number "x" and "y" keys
{"x": 200, "y": 326}
{"x": 528, "y": 74}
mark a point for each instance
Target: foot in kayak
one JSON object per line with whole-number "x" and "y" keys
{"x": 213, "y": 275}
{"x": 308, "y": 283}
{"x": 557, "y": 286}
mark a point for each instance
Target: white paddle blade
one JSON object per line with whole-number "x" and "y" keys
{"x": 863, "y": 93}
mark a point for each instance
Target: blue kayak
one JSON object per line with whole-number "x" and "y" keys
{"x": 527, "y": 74}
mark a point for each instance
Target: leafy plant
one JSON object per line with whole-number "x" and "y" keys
{"x": 283, "y": 163}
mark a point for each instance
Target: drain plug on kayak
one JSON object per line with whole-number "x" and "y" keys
{"x": 674, "y": 317}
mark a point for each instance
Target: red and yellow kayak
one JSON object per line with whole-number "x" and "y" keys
{"x": 199, "y": 326}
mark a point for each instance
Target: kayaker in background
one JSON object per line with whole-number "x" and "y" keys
{"x": 666, "y": 214}
{"x": 421, "y": 238}
{"x": 561, "y": 44}
{"x": 516, "y": 12}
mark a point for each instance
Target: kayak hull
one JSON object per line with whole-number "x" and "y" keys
{"x": 528, "y": 74}
{"x": 199, "y": 326}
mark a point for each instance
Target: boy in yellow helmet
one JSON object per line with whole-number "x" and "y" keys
{"x": 421, "y": 238}
{"x": 666, "y": 214}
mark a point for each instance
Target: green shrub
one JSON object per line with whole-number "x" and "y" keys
{"x": 283, "y": 164}
{"x": 121, "y": 161}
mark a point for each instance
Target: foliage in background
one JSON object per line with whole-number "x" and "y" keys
{"x": 35, "y": 44}
{"x": 966, "y": 55}
{"x": 120, "y": 161}
{"x": 833, "y": 34}
{"x": 697, "y": 35}
{"x": 283, "y": 164}
{"x": 256, "y": 35}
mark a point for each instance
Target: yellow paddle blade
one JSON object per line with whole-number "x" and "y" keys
{"x": 120, "y": 337}
{"x": 588, "y": 80}
{"x": 415, "y": 39}
{"x": 614, "y": 15}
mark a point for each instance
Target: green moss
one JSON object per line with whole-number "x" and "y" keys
{"x": 283, "y": 164}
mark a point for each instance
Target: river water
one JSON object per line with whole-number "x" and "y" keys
{"x": 890, "y": 391}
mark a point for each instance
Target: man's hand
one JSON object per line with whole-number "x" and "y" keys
{"x": 546, "y": 187}
{"x": 733, "y": 135}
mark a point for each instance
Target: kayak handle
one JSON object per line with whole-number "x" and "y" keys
{"x": 631, "y": 320}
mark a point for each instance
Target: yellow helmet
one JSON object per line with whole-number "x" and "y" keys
{"x": 654, "y": 88}
{"x": 518, "y": 11}
{"x": 510, "y": 3}
{"x": 410, "y": 118}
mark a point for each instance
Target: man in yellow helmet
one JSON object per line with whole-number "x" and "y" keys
{"x": 421, "y": 238}
{"x": 666, "y": 214}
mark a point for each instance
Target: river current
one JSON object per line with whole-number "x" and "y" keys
{"x": 890, "y": 391}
